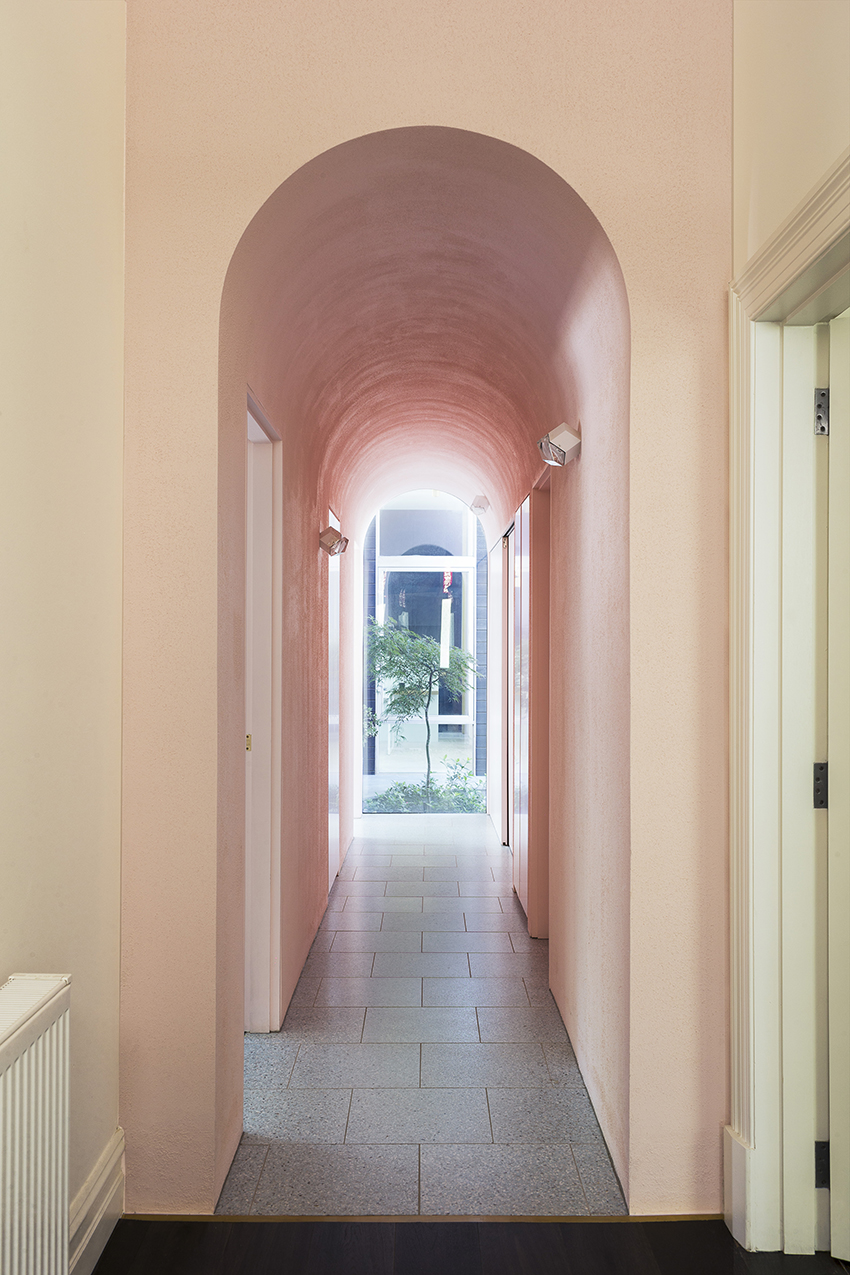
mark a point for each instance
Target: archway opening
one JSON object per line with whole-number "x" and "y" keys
{"x": 414, "y": 310}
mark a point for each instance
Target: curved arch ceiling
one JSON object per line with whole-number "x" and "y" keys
{"x": 413, "y": 296}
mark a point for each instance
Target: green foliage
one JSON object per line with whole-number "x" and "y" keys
{"x": 407, "y": 665}
{"x": 461, "y": 793}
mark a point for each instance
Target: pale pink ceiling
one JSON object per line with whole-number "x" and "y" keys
{"x": 411, "y": 296}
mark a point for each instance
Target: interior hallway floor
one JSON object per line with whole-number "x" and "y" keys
{"x": 423, "y": 1066}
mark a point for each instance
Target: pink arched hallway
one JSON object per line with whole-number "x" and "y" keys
{"x": 412, "y": 308}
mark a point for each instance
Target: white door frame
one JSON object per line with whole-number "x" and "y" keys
{"x": 263, "y": 1010}
{"x": 795, "y": 275}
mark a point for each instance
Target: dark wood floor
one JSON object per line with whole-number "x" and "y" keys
{"x": 222, "y": 1247}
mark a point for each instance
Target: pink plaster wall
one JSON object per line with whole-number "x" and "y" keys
{"x": 629, "y": 103}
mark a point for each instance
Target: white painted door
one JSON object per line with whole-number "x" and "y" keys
{"x": 333, "y": 710}
{"x": 838, "y": 754}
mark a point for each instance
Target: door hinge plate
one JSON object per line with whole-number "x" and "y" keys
{"x": 822, "y": 1164}
{"x": 822, "y": 411}
{"x": 248, "y": 742}
{"x": 821, "y": 785}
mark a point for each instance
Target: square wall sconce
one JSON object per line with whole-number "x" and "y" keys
{"x": 333, "y": 541}
{"x": 560, "y": 445}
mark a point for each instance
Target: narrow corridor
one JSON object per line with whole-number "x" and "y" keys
{"x": 423, "y": 1067}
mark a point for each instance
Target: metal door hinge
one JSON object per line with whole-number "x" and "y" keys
{"x": 821, "y": 785}
{"x": 822, "y": 1164}
{"x": 821, "y": 411}
{"x": 247, "y": 743}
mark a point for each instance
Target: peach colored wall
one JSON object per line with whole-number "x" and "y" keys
{"x": 792, "y": 107}
{"x": 629, "y": 103}
{"x": 61, "y": 413}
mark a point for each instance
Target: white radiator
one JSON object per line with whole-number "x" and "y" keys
{"x": 34, "y": 1010}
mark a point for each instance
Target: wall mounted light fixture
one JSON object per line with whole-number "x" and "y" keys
{"x": 480, "y": 505}
{"x": 559, "y": 445}
{"x": 333, "y": 541}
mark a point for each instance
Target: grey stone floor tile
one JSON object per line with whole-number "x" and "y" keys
{"x": 515, "y": 1025}
{"x": 544, "y": 1116}
{"x": 305, "y": 991}
{"x": 338, "y": 1180}
{"x": 269, "y": 1059}
{"x": 501, "y": 1180}
{"x": 362, "y": 921}
{"x": 466, "y": 942}
{"x": 449, "y": 904}
{"x": 437, "y": 873}
{"x": 426, "y": 889}
{"x": 370, "y": 1066}
{"x": 373, "y": 859}
{"x": 426, "y": 859}
{"x": 419, "y": 1115}
{"x": 452, "y": 965}
{"x": 506, "y": 964}
{"x": 538, "y": 991}
{"x": 336, "y": 902}
{"x": 457, "y": 1066}
{"x": 474, "y": 991}
{"x": 484, "y": 887}
{"x": 561, "y": 1062}
{"x": 339, "y": 965}
{"x": 489, "y": 922}
{"x": 524, "y": 943}
{"x": 304, "y": 1115}
{"x": 364, "y": 889}
{"x": 324, "y": 1024}
{"x": 322, "y": 941}
{"x": 381, "y": 872}
{"x": 601, "y": 1187}
{"x": 356, "y": 903}
{"x": 377, "y": 941}
{"x": 240, "y": 1184}
{"x": 370, "y": 991}
{"x": 420, "y": 1025}
{"x": 423, "y": 921}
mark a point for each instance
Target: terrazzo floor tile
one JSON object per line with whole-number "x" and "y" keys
{"x": 478, "y": 904}
{"x": 515, "y": 1025}
{"x": 506, "y": 964}
{"x": 324, "y": 1024}
{"x": 422, "y": 954}
{"x": 352, "y": 921}
{"x": 308, "y": 1115}
{"x": 466, "y": 942}
{"x": 360, "y": 888}
{"x": 377, "y": 872}
{"x": 421, "y": 965}
{"x": 371, "y": 903}
{"x": 542, "y": 1116}
{"x": 369, "y": 1066}
{"x": 369, "y": 991}
{"x": 561, "y": 1062}
{"x": 601, "y": 1187}
{"x": 494, "y": 1066}
{"x": 241, "y": 1182}
{"x": 300, "y": 1179}
{"x": 423, "y": 921}
{"x": 269, "y": 1060}
{"x": 419, "y": 1115}
{"x": 339, "y": 964}
{"x": 501, "y": 1180}
{"x": 424, "y": 889}
{"x": 420, "y": 1025}
{"x": 377, "y": 941}
{"x": 474, "y": 991}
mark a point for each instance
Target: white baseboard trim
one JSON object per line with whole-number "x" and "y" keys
{"x": 736, "y": 1166}
{"x": 97, "y": 1207}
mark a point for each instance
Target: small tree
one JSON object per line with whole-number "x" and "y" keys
{"x": 408, "y": 667}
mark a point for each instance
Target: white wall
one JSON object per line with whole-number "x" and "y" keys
{"x": 61, "y": 409}
{"x": 792, "y": 107}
